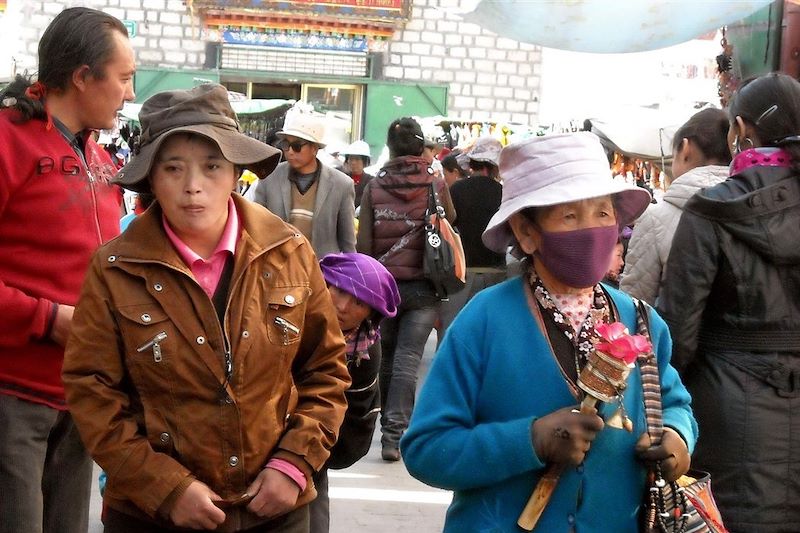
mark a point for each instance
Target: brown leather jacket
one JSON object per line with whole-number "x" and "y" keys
{"x": 156, "y": 417}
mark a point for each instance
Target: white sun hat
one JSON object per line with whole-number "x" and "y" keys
{"x": 304, "y": 126}
{"x": 357, "y": 148}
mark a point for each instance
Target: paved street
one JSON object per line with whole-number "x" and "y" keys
{"x": 372, "y": 495}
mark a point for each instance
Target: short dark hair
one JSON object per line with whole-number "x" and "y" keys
{"x": 77, "y": 36}
{"x": 484, "y": 168}
{"x": 364, "y": 159}
{"x": 771, "y": 105}
{"x": 450, "y": 163}
{"x": 708, "y": 130}
{"x": 405, "y": 138}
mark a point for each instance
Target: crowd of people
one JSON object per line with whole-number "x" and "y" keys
{"x": 223, "y": 352}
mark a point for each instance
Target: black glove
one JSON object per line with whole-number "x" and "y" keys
{"x": 673, "y": 454}
{"x": 565, "y": 435}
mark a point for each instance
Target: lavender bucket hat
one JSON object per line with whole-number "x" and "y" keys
{"x": 557, "y": 169}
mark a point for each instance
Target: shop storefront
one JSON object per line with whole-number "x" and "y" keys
{"x": 328, "y": 54}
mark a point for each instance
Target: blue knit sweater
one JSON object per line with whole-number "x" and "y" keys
{"x": 493, "y": 375}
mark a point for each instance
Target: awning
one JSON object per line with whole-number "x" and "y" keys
{"x": 130, "y": 111}
{"x": 640, "y": 133}
{"x": 604, "y": 26}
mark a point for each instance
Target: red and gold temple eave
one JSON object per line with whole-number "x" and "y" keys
{"x": 241, "y": 19}
{"x": 386, "y": 11}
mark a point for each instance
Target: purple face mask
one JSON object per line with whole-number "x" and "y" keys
{"x": 578, "y": 258}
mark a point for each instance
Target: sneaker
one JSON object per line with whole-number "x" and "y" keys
{"x": 390, "y": 453}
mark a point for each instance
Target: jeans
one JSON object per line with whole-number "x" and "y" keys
{"x": 403, "y": 342}
{"x": 45, "y": 471}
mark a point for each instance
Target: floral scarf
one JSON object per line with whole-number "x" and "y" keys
{"x": 598, "y": 312}
{"x": 359, "y": 341}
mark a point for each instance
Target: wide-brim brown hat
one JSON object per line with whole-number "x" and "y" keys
{"x": 204, "y": 110}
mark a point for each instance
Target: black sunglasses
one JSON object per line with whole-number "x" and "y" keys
{"x": 296, "y": 146}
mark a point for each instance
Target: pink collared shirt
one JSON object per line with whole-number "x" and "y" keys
{"x": 208, "y": 271}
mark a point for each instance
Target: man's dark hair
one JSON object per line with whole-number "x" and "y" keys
{"x": 77, "y": 36}
{"x": 405, "y": 138}
{"x": 708, "y": 130}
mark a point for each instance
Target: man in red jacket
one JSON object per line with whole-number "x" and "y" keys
{"x": 56, "y": 207}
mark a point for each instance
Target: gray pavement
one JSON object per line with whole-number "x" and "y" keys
{"x": 372, "y": 495}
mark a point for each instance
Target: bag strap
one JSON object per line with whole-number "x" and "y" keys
{"x": 655, "y": 517}
{"x": 651, "y": 382}
{"x": 434, "y": 205}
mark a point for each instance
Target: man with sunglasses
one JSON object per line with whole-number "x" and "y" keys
{"x": 315, "y": 198}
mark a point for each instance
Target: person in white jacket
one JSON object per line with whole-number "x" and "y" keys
{"x": 700, "y": 155}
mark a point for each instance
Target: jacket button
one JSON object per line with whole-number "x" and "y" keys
{"x": 245, "y": 334}
{"x": 112, "y": 258}
{"x": 164, "y": 437}
{"x": 200, "y": 340}
{"x": 146, "y": 318}
{"x": 233, "y": 461}
{"x": 570, "y": 518}
{"x": 158, "y": 287}
{"x": 289, "y": 299}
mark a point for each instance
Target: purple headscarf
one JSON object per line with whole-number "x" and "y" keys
{"x": 363, "y": 277}
{"x": 367, "y": 280}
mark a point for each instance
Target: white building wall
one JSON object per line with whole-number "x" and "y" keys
{"x": 165, "y": 33}
{"x": 489, "y": 77}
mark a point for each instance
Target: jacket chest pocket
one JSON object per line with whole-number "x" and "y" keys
{"x": 147, "y": 332}
{"x": 286, "y": 309}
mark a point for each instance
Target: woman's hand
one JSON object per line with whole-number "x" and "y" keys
{"x": 565, "y": 435}
{"x": 275, "y": 494}
{"x": 673, "y": 454}
{"x": 195, "y": 508}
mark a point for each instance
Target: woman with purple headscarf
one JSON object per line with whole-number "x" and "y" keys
{"x": 363, "y": 293}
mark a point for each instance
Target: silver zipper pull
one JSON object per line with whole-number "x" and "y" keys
{"x": 155, "y": 344}
{"x": 286, "y": 325}
{"x": 156, "y": 352}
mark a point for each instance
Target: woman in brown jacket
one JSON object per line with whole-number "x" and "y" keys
{"x": 206, "y": 369}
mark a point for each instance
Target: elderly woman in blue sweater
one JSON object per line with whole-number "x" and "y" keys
{"x": 499, "y": 403}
